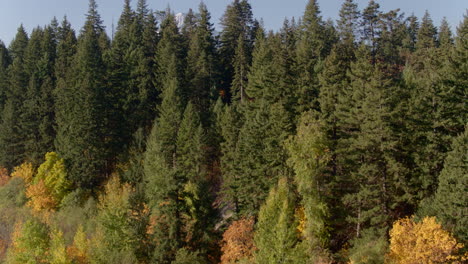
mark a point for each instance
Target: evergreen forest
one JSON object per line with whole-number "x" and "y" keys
{"x": 321, "y": 142}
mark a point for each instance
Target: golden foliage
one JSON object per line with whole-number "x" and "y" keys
{"x": 238, "y": 241}
{"x": 300, "y": 215}
{"x": 57, "y": 251}
{"x": 25, "y": 171}
{"x": 79, "y": 250}
{"x": 424, "y": 242}
{"x": 40, "y": 198}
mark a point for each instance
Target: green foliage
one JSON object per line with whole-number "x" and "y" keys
{"x": 276, "y": 236}
{"x": 308, "y": 155}
{"x": 449, "y": 200}
{"x": 370, "y": 248}
{"x": 12, "y": 137}
{"x": 238, "y": 25}
{"x": 57, "y": 250}
{"x": 82, "y": 121}
{"x": 30, "y": 243}
{"x": 183, "y": 256}
{"x": 54, "y": 175}
{"x": 366, "y": 130}
{"x": 113, "y": 218}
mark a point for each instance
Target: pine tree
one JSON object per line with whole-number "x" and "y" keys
{"x": 370, "y": 28}
{"x": 241, "y": 68}
{"x": 276, "y": 238}
{"x": 368, "y": 145}
{"x": 411, "y": 33}
{"x": 39, "y": 104}
{"x": 310, "y": 52}
{"x": 4, "y": 63}
{"x": 308, "y": 156}
{"x": 12, "y": 138}
{"x": 427, "y": 33}
{"x": 191, "y": 163}
{"x": 237, "y": 21}
{"x": 260, "y": 158}
{"x": 81, "y": 139}
{"x": 453, "y": 114}
{"x": 201, "y": 65}
{"x": 170, "y": 50}
{"x": 444, "y": 37}
{"x": 449, "y": 202}
{"x": 164, "y": 181}
{"x": 348, "y": 22}
{"x": 427, "y": 133}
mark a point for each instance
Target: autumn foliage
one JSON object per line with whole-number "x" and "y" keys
{"x": 4, "y": 177}
{"x": 25, "y": 171}
{"x": 47, "y": 188}
{"x": 238, "y": 241}
{"x": 423, "y": 242}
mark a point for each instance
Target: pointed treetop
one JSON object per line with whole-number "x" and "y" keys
{"x": 142, "y": 9}
{"x": 19, "y": 43}
{"x": 126, "y": 17}
{"x": 93, "y": 18}
{"x": 427, "y": 33}
{"x": 348, "y": 22}
{"x": 445, "y": 34}
{"x": 312, "y": 14}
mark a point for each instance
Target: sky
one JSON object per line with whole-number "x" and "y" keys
{"x": 32, "y": 13}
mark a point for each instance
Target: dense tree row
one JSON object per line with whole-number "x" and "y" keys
{"x": 176, "y": 145}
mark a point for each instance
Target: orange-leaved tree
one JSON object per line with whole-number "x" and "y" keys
{"x": 424, "y": 242}
{"x": 238, "y": 241}
{"x": 4, "y": 177}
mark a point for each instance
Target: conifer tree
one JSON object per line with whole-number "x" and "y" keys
{"x": 275, "y": 238}
{"x": 260, "y": 158}
{"x": 191, "y": 158}
{"x": 4, "y": 63}
{"x": 39, "y": 104}
{"x": 30, "y": 243}
{"x": 201, "y": 57}
{"x": 411, "y": 33}
{"x": 308, "y": 156}
{"x": 169, "y": 51}
{"x": 449, "y": 200}
{"x": 310, "y": 51}
{"x": 367, "y": 144}
{"x": 427, "y": 33}
{"x": 237, "y": 21}
{"x": 82, "y": 126}
{"x": 348, "y": 22}
{"x": 444, "y": 38}
{"x": 12, "y": 138}
{"x": 164, "y": 181}
{"x": 370, "y": 26}
{"x": 429, "y": 133}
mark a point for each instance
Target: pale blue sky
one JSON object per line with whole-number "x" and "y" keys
{"x": 39, "y": 12}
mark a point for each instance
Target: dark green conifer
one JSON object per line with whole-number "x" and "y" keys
{"x": 450, "y": 200}
{"x": 236, "y": 21}
{"x": 12, "y": 137}
{"x": 310, "y": 52}
{"x": 82, "y": 109}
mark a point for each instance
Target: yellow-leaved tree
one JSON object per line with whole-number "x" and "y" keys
{"x": 25, "y": 171}
{"x": 423, "y": 242}
{"x": 47, "y": 189}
